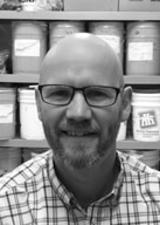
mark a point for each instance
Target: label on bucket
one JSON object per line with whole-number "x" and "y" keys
{"x": 140, "y": 51}
{"x": 6, "y": 113}
{"x": 146, "y": 126}
{"x": 113, "y": 41}
{"x": 27, "y": 47}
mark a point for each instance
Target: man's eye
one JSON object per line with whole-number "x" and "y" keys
{"x": 98, "y": 95}
{"x": 58, "y": 94}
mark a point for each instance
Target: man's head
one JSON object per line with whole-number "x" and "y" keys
{"x": 82, "y": 100}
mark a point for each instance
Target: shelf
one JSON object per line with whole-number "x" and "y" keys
{"x": 124, "y": 145}
{"x": 79, "y": 15}
{"x": 139, "y": 145}
{"x": 19, "y": 78}
{"x": 33, "y": 78}
{"x": 142, "y": 79}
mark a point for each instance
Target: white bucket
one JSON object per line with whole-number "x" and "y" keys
{"x": 122, "y": 131}
{"x": 7, "y": 113}
{"x": 146, "y": 116}
{"x": 31, "y": 126}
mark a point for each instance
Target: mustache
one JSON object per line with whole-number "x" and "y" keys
{"x": 81, "y": 126}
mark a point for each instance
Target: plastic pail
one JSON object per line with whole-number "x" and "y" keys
{"x": 122, "y": 131}
{"x": 31, "y": 126}
{"x": 112, "y": 33}
{"x": 143, "y": 48}
{"x": 10, "y": 158}
{"x": 29, "y": 46}
{"x": 61, "y": 29}
{"x": 7, "y": 113}
{"x": 146, "y": 116}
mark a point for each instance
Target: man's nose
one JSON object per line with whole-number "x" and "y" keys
{"x": 78, "y": 109}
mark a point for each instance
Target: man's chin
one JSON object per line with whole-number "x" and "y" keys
{"x": 79, "y": 153}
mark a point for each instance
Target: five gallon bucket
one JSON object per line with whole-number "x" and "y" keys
{"x": 61, "y": 29}
{"x": 29, "y": 46}
{"x": 112, "y": 33}
{"x": 146, "y": 116}
{"x": 7, "y": 113}
{"x": 31, "y": 126}
{"x": 143, "y": 48}
{"x": 122, "y": 131}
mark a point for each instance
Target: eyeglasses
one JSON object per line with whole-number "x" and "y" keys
{"x": 95, "y": 96}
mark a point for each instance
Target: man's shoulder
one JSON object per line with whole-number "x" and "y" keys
{"x": 137, "y": 169}
{"x": 27, "y": 172}
{"x": 140, "y": 178}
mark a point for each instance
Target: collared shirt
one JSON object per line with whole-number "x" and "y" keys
{"x": 33, "y": 195}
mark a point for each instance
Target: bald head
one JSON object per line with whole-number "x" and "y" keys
{"x": 80, "y": 52}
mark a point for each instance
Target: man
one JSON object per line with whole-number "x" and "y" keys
{"x": 81, "y": 101}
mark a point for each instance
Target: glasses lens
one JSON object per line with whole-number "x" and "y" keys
{"x": 58, "y": 95}
{"x": 99, "y": 96}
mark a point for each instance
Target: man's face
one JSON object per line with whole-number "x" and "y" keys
{"x": 79, "y": 134}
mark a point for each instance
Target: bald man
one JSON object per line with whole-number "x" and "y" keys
{"x": 83, "y": 179}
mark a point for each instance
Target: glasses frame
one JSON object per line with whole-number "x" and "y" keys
{"x": 82, "y": 90}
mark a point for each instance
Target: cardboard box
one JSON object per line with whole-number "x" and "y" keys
{"x": 90, "y": 5}
{"x": 139, "y": 5}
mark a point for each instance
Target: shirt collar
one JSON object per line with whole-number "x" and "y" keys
{"x": 67, "y": 197}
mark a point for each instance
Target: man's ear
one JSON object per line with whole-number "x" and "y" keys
{"x": 38, "y": 102}
{"x": 126, "y": 103}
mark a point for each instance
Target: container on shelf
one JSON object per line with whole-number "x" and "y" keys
{"x": 7, "y": 113}
{"x": 150, "y": 157}
{"x": 30, "y": 125}
{"x": 146, "y": 116}
{"x": 143, "y": 48}
{"x": 112, "y": 33}
{"x": 90, "y": 5}
{"x": 28, "y": 153}
{"x": 42, "y": 5}
{"x": 60, "y": 29}
{"x": 10, "y": 158}
{"x": 122, "y": 131}
{"x": 28, "y": 5}
{"x": 29, "y": 46}
{"x": 139, "y": 5}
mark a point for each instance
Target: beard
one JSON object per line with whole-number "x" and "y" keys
{"x": 78, "y": 153}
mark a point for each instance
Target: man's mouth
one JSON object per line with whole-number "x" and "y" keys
{"x": 75, "y": 133}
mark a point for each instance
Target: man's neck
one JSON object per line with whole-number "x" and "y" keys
{"x": 88, "y": 185}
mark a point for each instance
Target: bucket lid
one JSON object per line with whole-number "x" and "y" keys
{"x": 29, "y": 27}
{"x": 26, "y": 94}
{"x": 149, "y": 98}
{"x": 4, "y": 90}
{"x": 143, "y": 28}
{"x": 117, "y": 27}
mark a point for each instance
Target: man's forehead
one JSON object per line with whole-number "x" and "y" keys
{"x": 75, "y": 53}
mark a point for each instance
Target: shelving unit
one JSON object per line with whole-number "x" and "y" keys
{"x": 78, "y": 15}
{"x": 127, "y": 144}
{"x": 33, "y": 78}
{"x": 84, "y": 16}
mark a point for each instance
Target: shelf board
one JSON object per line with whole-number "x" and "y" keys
{"x": 79, "y": 15}
{"x": 124, "y": 145}
{"x": 33, "y": 78}
{"x": 19, "y": 78}
{"x": 22, "y": 143}
{"x": 142, "y": 79}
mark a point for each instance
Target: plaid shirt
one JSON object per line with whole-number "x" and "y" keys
{"x": 32, "y": 194}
